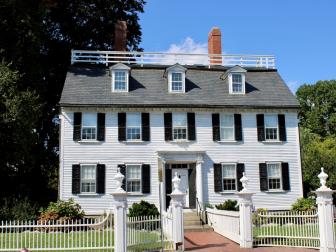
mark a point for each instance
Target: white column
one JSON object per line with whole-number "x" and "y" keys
{"x": 199, "y": 183}
{"x": 176, "y": 203}
{"x": 120, "y": 210}
{"x": 325, "y": 210}
{"x": 245, "y": 215}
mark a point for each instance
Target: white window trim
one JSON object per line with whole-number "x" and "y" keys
{"x": 280, "y": 168}
{"x": 236, "y": 182}
{"x": 170, "y": 74}
{"x": 113, "y": 80}
{"x": 88, "y": 193}
{"x": 126, "y": 178}
{"x": 134, "y": 140}
{"x": 220, "y": 128}
{"x": 231, "y": 83}
{"x": 278, "y": 137}
{"x": 180, "y": 127}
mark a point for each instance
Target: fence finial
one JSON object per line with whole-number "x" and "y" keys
{"x": 323, "y": 180}
{"x": 244, "y": 180}
{"x": 119, "y": 177}
{"x": 176, "y": 182}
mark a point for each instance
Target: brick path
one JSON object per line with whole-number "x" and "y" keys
{"x": 211, "y": 241}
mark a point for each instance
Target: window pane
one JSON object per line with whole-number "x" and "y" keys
{"x": 120, "y": 80}
{"x": 227, "y": 134}
{"x": 229, "y": 184}
{"x": 237, "y": 88}
{"x": 236, "y": 78}
{"x": 179, "y": 119}
{"x": 133, "y": 171}
{"x": 273, "y": 170}
{"x": 227, "y": 121}
{"x": 176, "y": 76}
{"x": 229, "y": 171}
{"x": 271, "y": 133}
{"x": 177, "y": 86}
{"x": 133, "y": 134}
{"x": 133, "y": 120}
{"x": 229, "y": 177}
{"x": 89, "y": 119}
{"x": 88, "y": 133}
{"x": 88, "y": 178}
{"x": 180, "y": 133}
{"x": 271, "y": 121}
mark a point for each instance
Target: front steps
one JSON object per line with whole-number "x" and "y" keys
{"x": 192, "y": 223}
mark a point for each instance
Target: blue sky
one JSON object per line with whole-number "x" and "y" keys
{"x": 300, "y": 33}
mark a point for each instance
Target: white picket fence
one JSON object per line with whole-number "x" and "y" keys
{"x": 167, "y": 224}
{"x": 86, "y": 234}
{"x": 286, "y": 228}
{"x": 144, "y": 233}
{"x": 224, "y": 222}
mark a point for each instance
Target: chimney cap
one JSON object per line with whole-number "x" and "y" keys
{"x": 215, "y": 31}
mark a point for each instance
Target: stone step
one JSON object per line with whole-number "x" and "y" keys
{"x": 198, "y": 228}
{"x": 192, "y": 222}
{"x": 189, "y": 217}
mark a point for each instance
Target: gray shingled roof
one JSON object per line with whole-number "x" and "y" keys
{"x": 91, "y": 86}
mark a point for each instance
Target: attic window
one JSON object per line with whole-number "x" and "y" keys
{"x": 120, "y": 78}
{"x": 236, "y": 78}
{"x": 176, "y": 78}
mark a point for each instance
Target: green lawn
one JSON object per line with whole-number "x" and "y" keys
{"x": 141, "y": 240}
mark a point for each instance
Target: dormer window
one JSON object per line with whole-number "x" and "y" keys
{"x": 236, "y": 80}
{"x": 120, "y": 77}
{"x": 176, "y": 78}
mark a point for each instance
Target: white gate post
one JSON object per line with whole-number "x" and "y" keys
{"x": 120, "y": 210}
{"x": 176, "y": 203}
{"x": 325, "y": 212}
{"x": 245, "y": 215}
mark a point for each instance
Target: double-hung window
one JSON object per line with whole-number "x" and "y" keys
{"x": 180, "y": 126}
{"x": 89, "y": 128}
{"x": 88, "y": 178}
{"x": 229, "y": 177}
{"x": 274, "y": 176}
{"x": 226, "y": 127}
{"x": 120, "y": 80}
{"x": 271, "y": 127}
{"x": 237, "y": 83}
{"x": 133, "y": 125}
{"x": 133, "y": 178}
{"x": 176, "y": 82}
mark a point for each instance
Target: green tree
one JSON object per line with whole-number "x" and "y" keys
{"x": 37, "y": 37}
{"x": 318, "y": 107}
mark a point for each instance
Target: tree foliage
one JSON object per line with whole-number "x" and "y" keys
{"x": 36, "y": 39}
{"x": 318, "y": 107}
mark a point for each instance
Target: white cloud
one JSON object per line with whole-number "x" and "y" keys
{"x": 293, "y": 85}
{"x": 188, "y": 45}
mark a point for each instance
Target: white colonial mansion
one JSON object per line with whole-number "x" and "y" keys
{"x": 207, "y": 117}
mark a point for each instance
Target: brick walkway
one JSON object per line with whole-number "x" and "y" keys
{"x": 211, "y": 241}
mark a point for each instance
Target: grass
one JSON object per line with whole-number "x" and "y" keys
{"x": 142, "y": 240}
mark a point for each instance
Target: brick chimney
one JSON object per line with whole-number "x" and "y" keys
{"x": 215, "y": 45}
{"x": 120, "y": 36}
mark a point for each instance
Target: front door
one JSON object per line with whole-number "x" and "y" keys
{"x": 184, "y": 184}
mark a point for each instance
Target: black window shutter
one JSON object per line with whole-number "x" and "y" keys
{"x": 145, "y": 126}
{"x": 101, "y": 126}
{"x": 146, "y": 179}
{"x": 261, "y": 127}
{"x": 100, "y": 178}
{"x": 218, "y": 183}
{"x": 77, "y": 128}
{"x": 215, "y": 127}
{"x": 191, "y": 127}
{"x": 240, "y": 170}
{"x": 122, "y": 127}
{"x": 282, "y": 127}
{"x": 168, "y": 124}
{"x": 285, "y": 176}
{"x": 263, "y": 177}
{"x": 122, "y": 168}
{"x": 168, "y": 180}
{"x": 238, "y": 127}
{"x": 76, "y": 179}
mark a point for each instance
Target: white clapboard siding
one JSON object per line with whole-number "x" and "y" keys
{"x": 250, "y": 152}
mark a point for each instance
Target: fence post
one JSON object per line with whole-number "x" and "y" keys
{"x": 120, "y": 210}
{"x": 325, "y": 212}
{"x": 245, "y": 215}
{"x": 176, "y": 203}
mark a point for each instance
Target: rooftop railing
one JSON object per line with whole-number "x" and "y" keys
{"x": 160, "y": 58}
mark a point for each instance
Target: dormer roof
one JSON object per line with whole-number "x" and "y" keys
{"x": 175, "y": 68}
{"x": 120, "y": 66}
{"x": 235, "y": 69}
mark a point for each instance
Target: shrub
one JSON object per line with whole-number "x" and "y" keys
{"x": 143, "y": 208}
{"x": 62, "y": 211}
{"x": 208, "y": 205}
{"x": 229, "y": 205}
{"x": 18, "y": 209}
{"x": 255, "y": 216}
{"x": 304, "y": 204}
